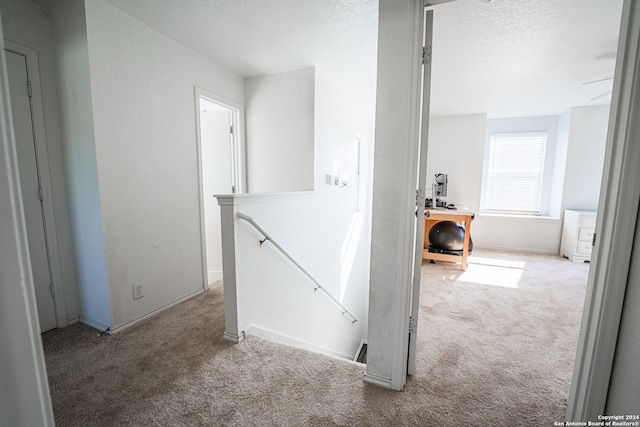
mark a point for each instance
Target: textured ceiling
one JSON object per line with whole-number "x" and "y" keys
{"x": 258, "y": 37}
{"x": 510, "y": 57}
{"x": 505, "y": 58}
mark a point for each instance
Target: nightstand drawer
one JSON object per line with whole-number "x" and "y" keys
{"x": 583, "y": 248}
{"x": 588, "y": 221}
{"x": 586, "y": 234}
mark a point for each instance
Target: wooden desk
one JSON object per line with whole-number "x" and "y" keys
{"x": 462, "y": 216}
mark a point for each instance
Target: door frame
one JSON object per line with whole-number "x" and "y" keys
{"x": 617, "y": 214}
{"x": 42, "y": 159}
{"x": 421, "y": 188}
{"x": 24, "y": 371}
{"x": 239, "y": 155}
{"x": 393, "y": 230}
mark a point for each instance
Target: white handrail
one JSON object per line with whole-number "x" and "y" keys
{"x": 268, "y": 236}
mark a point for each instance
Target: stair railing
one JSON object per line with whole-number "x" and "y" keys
{"x": 275, "y": 243}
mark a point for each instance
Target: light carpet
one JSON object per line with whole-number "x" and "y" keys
{"x": 496, "y": 347}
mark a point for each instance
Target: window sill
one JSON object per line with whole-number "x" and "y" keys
{"x": 518, "y": 217}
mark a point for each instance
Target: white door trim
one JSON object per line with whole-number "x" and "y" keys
{"x": 33, "y": 73}
{"x": 403, "y": 129}
{"x": 411, "y": 142}
{"x": 617, "y": 216}
{"x": 239, "y": 155}
{"x": 422, "y": 182}
{"x": 241, "y": 172}
{"x": 23, "y": 368}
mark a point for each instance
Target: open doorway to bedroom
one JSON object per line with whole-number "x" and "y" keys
{"x": 515, "y": 264}
{"x": 219, "y": 150}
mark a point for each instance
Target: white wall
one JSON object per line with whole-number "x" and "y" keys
{"x": 340, "y": 118}
{"x": 456, "y": 147}
{"x": 77, "y": 133}
{"x": 142, "y": 85}
{"x": 280, "y": 126}
{"x": 524, "y": 233}
{"x": 316, "y": 228}
{"x": 560, "y": 164}
{"x": 585, "y": 157}
{"x": 275, "y": 299}
{"x": 30, "y": 25}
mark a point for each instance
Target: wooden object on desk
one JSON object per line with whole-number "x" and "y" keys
{"x": 462, "y": 216}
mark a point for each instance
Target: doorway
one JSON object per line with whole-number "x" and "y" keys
{"x": 28, "y": 123}
{"x": 219, "y": 130}
{"x": 616, "y": 216}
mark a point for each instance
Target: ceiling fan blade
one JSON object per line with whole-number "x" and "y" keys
{"x": 602, "y": 95}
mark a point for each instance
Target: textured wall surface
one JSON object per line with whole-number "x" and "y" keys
{"x": 81, "y": 165}
{"x": 145, "y": 132}
{"x": 585, "y": 157}
{"x": 280, "y": 131}
{"x": 456, "y": 147}
{"x": 316, "y": 228}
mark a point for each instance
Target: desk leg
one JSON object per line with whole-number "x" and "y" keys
{"x": 465, "y": 247}
{"x": 428, "y": 224}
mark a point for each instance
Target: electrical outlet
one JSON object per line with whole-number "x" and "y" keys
{"x": 138, "y": 291}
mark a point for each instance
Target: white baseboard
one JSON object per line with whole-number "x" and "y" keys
{"x": 503, "y": 248}
{"x": 73, "y": 321}
{"x": 95, "y": 324}
{"x": 214, "y": 276}
{"x": 379, "y": 381}
{"x": 257, "y": 331}
{"x": 154, "y": 312}
{"x": 236, "y": 339}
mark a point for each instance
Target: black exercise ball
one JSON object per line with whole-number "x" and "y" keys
{"x": 447, "y": 236}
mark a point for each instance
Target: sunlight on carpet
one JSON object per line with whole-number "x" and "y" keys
{"x": 493, "y": 272}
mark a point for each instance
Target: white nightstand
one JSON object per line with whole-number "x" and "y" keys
{"x": 577, "y": 235}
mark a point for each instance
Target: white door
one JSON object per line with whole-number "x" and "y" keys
{"x": 421, "y": 185}
{"x": 218, "y": 152}
{"x": 30, "y": 185}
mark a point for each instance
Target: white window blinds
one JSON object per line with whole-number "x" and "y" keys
{"x": 516, "y": 167}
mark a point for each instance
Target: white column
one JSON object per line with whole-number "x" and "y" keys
{"x": 229, "y": 272}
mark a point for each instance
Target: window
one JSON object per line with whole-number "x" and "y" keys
{"x": 515, "y": 172}
{"x": 524, "y": 166}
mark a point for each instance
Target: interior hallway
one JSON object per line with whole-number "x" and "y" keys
{"x": 496, "y": 347}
